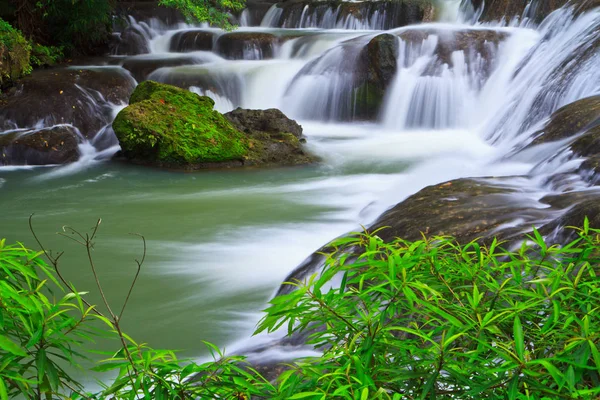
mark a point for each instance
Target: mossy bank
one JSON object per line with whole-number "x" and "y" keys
{"x": 170, "y": 127}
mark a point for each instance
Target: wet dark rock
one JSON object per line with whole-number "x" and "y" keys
{"x": 271, "y": 121}
{"x": 377, "y": 66}
{"x": 466, "y": 209}
{"x": 130, "y": 42}
{"x": 56, "y": 145}
{"x": 192, "y": 40}
{"x": 66, "y": 96}
{"x": 247, "y": 45}
{"x": 575, "y": 206}
{"x": 274, "y": 139}
{"x": 570, "y": 120}
{"x": 142, "y": 67}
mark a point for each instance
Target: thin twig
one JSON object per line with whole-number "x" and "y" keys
{"x": 139, "y": 268}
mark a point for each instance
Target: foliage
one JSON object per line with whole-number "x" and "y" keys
{"x": 45, "y": 56}
{"x": 77, "y": 25}
{"x": 36, "y": 329}
{"x": 215, "y": 12}
{"x": 433, "y": 319}
{"x": 164, "y": 123}
{"x": 15, "y": 53}
{"x": 399, "y": 320}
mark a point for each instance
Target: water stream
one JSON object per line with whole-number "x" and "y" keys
{"x": 220, "y": 242}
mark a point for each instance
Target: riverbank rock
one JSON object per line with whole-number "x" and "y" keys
{"x": 171, "y": 127}
{"x": 82, "y": 98}
{"x": 56, "y": 145}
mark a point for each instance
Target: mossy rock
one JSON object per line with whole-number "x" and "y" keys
{"x": 166, "y": 125}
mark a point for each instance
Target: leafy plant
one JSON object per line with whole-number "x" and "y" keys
{"x": 434, "y": 319}
{"x": 215, "y": 12}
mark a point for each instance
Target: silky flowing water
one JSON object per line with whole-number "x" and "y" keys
{"x": 221, "y": 242}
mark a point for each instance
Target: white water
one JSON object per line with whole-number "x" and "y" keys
{"x": 438, "y": 122}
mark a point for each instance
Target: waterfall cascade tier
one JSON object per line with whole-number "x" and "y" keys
{"x": 391, "y": 101}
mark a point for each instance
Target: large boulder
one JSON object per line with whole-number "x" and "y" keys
{"x": 83, "y": 98}
{"x": 55, "y": 145}
{"x": 166, "y": 125}
{"x": 131, "y": 41}
{"x": 172, "y": 127}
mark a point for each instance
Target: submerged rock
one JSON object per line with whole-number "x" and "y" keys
{"x": 81, "y": 98}
{"x": 175, "y": 128}
{"x": 56, "y": 145}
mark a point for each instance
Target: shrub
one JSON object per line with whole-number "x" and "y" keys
{"x": 45, "y": 56}
{"x": 400, "y": 320}
{"x": 433, "y": 319}
{"x": 15, "y": 53}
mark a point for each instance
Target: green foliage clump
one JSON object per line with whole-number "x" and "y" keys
{"x": 430, "y": 319}
{"x": 167, "y": 124}
{"x": 215, "y": 12}
{"x": 434, "y": 319}
{"x": 45, "y": 56}
{"x": 15, "y": 53}
{"x": 79, "y": 26}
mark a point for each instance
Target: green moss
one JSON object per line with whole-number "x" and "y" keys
{"x": 15, "y": 52}
{"x": 164, "y": 123}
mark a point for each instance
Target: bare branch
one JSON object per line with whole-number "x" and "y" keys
{"x": 139, "y": 268}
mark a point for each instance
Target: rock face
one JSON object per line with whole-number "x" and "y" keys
{"x": 130, "y": 42}
{"x": 66, "y": 96}
{"x": 175, "y": 128}
{"x": 56, "y": 145}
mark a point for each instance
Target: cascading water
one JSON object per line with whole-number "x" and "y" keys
{"x": 450, "y": 100}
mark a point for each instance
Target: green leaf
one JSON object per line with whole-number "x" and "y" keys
{"x": 10, "y": 346}
{"x": 519, "y": 339}
{"x": 304, "y": 395}
{"x": 3, "y": 391}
